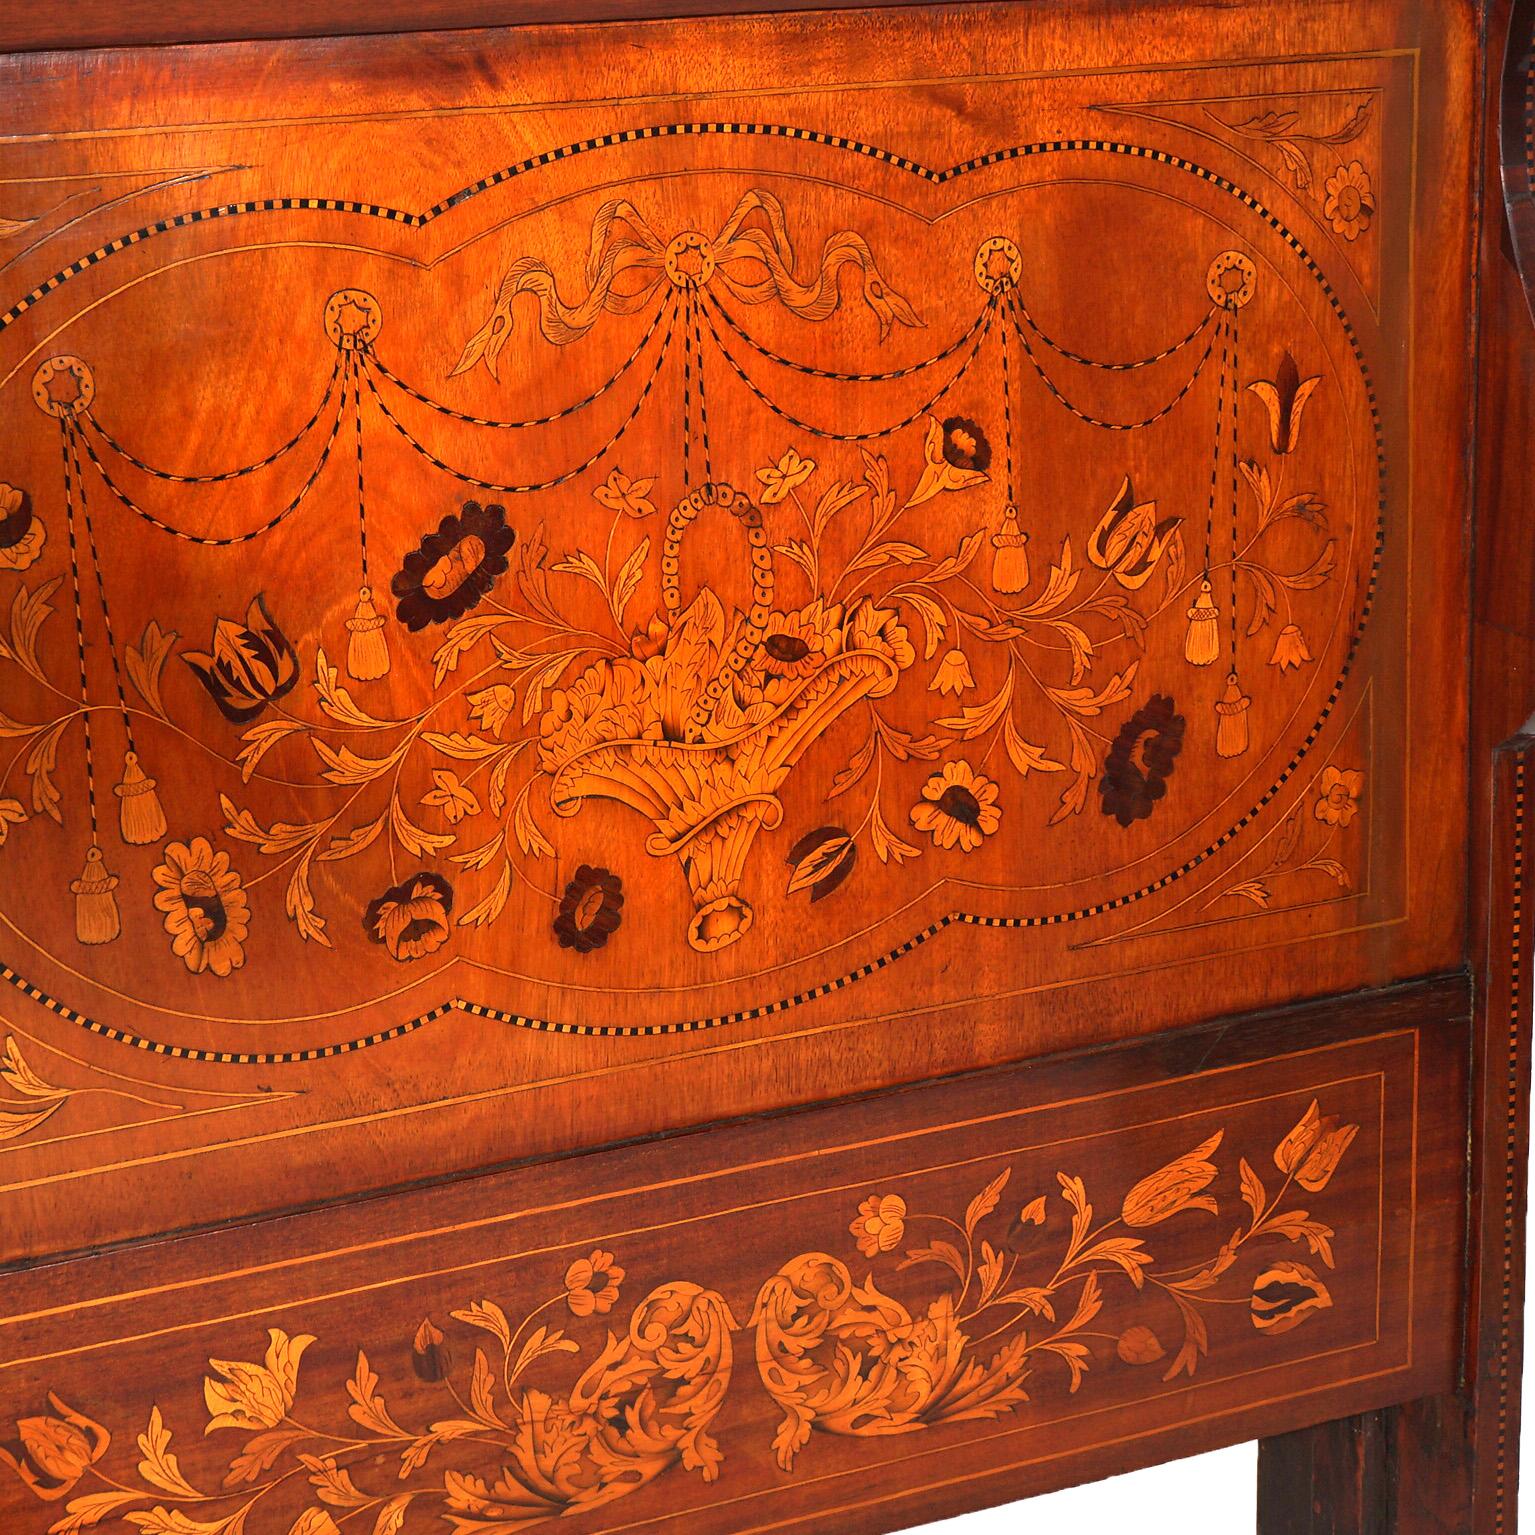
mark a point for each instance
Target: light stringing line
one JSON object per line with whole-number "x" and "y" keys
{"x": 831, "y": 373}
{"x": 74, "y": 573}
{"x": 1098, "y": 421}
{"x": 101, "y": 588}
{"x": 206, "y": 540}
{"x": 228, "y": 474}
{"x": 885, "y": 431}
{"x": 662, "y": 311}
{"x": 1114, "y": 367}
{"x": 550, "y": 484}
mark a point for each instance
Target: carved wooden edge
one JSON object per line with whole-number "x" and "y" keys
{"x": 1501, "y": 1144}
{"x": 1516, "y": 138}
{"x": 1501, "y": 1041}
{"x": 141, "y": 23}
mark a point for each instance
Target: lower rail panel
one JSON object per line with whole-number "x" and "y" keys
{"x": 841, "y": 1319}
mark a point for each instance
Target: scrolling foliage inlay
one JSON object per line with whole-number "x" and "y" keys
{"x": 1033, "y": 1295}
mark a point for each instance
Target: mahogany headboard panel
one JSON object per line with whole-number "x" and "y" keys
{"x": 728, "y": 733}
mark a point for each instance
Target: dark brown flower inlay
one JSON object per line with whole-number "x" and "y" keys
{"x": 957, "y": 801}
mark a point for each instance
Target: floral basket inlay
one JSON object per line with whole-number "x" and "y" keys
{"x": 699, "y": 730}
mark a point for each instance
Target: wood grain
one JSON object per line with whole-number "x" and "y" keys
{"x": 1451, "y": 1463}
{"x": 940, "y": 810}
{"x": 670, "y": 684}
{"x": 1033, "y": 1276}
{"x": 152, "y": 22}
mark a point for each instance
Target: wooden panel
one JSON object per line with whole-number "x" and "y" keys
{"x": 842, "y": 1319}
{"x": 1451, "y": 1463}
{"x": 1336, "y": 1478}
{"x": 854, "y": 786}
{"x": 186, "y": 21}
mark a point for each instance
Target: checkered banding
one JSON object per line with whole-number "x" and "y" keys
{"x": 1023, "y": 312}
{"x": 218, "y": 1057}
{"x": 1512, "y": 1236}
{"x": 703, "y": 398}
{"x": 353, "y": 370}
{"x": 687, "y": 403}
{"x": 1223, "y": 334}
{"x": 71, "y": 491}
{"x": 71, "y": 435}
{"x": 1233, "y": 402}
{"x": 1529, "y": 120}
{"x": 609, "y": 141}
{"x": 226, "y": 541}
{"x": 936, "y": 177}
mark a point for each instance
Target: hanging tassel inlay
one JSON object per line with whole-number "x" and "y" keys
{"x": 96, "y": 918}
{"x": 1231, "y": 719}
{"x": 1010, "y": 561}
{"x": 1202, "y": 647}
{"x": 367, "y": 650}
{"x": 140, "y": 816}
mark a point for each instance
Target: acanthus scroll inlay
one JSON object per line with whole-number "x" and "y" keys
{"x": 504, "y": 1413}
